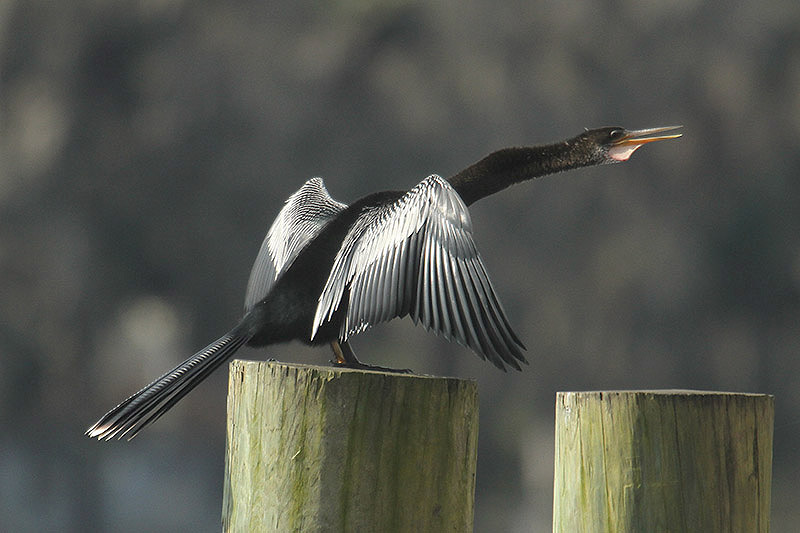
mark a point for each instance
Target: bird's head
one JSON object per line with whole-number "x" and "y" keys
{"x": 614, "y": 145}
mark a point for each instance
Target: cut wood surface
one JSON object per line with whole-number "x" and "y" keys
{"x": 662, "y": 461}
{"x": 326, "y": 449}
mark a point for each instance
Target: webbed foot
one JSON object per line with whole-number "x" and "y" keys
{"x": 346, "y": 358}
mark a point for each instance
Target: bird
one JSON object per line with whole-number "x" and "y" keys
{"x": 327, "y": 271}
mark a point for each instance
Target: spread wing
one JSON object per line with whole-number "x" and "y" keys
{"x": 417, "y": 256}
{"x": 303, "y": 216}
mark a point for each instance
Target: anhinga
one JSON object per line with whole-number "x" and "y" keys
{"x": 327, "y": 270}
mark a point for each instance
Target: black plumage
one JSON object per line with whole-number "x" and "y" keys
{"x": 327, "y": 271}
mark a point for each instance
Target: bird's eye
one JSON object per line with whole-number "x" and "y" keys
{"x": 616, "y": 135}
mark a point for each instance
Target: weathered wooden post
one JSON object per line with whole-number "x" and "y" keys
{"x": 326, "y": 449}
{"x": 662, "y": 461}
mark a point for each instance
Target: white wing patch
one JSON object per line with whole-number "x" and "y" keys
{"x": 417, "y": 256}
{"x": 301, "y": 219}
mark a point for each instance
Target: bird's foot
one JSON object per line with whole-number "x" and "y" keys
{"x": 362, "y": 366}
{"x": 346, "y": 358}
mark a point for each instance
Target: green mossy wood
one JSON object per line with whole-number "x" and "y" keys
{"x": 668, "y": 461}
{"x": 326, "y": 449}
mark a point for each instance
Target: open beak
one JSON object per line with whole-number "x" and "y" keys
{"x": 622, "y": 149}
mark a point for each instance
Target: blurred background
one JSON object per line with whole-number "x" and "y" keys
{"x": 146, "y": 146}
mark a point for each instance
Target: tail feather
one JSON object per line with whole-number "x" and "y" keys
{"x": 147, "y": 405}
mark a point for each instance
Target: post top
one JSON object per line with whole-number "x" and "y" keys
{"x": 331, "y": 372}
{"x": 663, "y": 392}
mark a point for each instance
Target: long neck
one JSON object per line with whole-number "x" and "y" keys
{"x": 508, "y": 166}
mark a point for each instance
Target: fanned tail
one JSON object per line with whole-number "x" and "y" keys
{"x": 147, "y": 405}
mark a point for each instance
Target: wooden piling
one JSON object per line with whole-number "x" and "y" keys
{"x": 327, "y": 449}
{"x": 662, "y": 461}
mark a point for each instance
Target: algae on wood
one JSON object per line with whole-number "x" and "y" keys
{"x": 662, "y": 461}
{"x": 327, "y": 449}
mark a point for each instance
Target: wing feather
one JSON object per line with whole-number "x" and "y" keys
{"x": 301, "y": 219}
{"x": 442, "y": 275}
{"x": 394, "y": 282}
{"x": 417, "y": 256}
{"x": 467, "y": 306}
{"x": 478, "y": 312}
{"x": 457, "y": 310}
